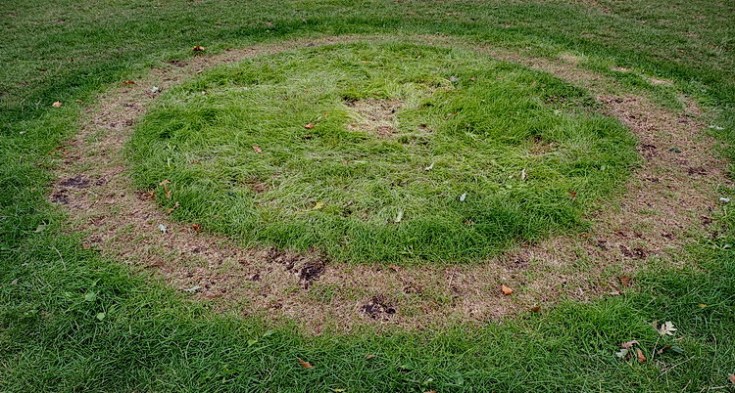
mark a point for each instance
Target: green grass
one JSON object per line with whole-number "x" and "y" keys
{"x": 515, "y": 143}
{"x": 151, "y": 339}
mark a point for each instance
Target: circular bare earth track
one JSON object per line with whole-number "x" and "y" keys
{"x": 667, "y": 203}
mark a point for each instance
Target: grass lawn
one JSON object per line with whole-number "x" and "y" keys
{"x": 366, "y": 152}
{"x": 309, "y": 165}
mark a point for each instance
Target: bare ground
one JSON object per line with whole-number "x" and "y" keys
{"x": 667, "y": 203}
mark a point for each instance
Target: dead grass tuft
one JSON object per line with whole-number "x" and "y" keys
{"x": 375, "y": 116}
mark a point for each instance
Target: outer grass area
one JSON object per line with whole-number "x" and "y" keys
{"x": 409, "y": 152}
{"x": 149, "y": 339}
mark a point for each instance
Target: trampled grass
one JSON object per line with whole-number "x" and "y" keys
{"x": 381, "y": 153}
{"x": 72, "y": 320}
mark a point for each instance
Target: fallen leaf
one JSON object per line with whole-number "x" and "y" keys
{"x": 625, "y": 281}
{"x": 430, "y": 391}
{"x": 622, "y": 354}
{"x": 171, "y": 210}
{"x": 702, "y": 305}
{"x": 304, "y": 363}
{"x": 56, "y": 104}
{"x": 666, "y": 329}
{"x": 166, "y": 191}
{"x": 196, "y": 227}
{"x": 629, "y": 344}
{"x": 309, "y": 126}
{"x": 369, "y": 356}
{"x": 193, "y": 289}
{"x": 640, "y": 355}
{"x": 463, "y": 197}
{"x": 198, "y": 48}
{"x": 523, "y": 174}
{"x": 430, "y": 167}
{"x": 731, "y": 377}
{"x": 536, "y": 308}
{"x": 257, "y": 149}
{"x": 507, "y": 291}
{"x": 318, "y": 205}
{"x": 101, "y": 316}
{"x": 573, "y": 195}
{"x": 128, "y": 82}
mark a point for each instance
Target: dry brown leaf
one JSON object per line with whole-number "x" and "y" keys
{"x": 304, "y": 363}
{"x": 430, "y": 391}
{"x": 629, "y": 344}
{"x": 198, "y": 48}
{"x": 573, "y": 195}
{"x": 309, "y": 126}
{"x": 640, "y": 355}
{"x": 171, "y": 210}
{"x": 507, "y": 291}
{"x": 536, "y": 308}
{"x": 625, "y": 281}
{"x": 257, "y": 149}
{"x": 731, "y": 377}
{"x": 196, "y": 227}
{"x": 128, "y": 82}
{"x": 56, "y": 104}
{"x": 666, "y": 329}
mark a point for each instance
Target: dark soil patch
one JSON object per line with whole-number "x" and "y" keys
{"x": 78, "y": 181}
{"x": 379, "y": 307}
{"x": 308, "y": 267}
{"x": 60, "y": 197}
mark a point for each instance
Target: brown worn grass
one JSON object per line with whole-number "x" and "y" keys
{"x": 666, "y": 204}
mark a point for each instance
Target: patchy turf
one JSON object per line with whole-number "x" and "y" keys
{"x": 652, "y": 221}
{"x": 74, "y": 319}
{"x": 271, "y": 152}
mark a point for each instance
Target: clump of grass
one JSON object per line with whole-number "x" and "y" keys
{"x": 473, "y": 155}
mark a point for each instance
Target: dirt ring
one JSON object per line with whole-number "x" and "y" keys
{"x": 668, "y": 203}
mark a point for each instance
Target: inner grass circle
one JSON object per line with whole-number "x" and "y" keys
{"x": 381, "y": 152}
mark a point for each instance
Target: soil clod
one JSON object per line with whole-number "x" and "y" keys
{"x": 379, "y": 308}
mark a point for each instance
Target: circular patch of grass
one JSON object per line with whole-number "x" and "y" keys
{"x": 381, "y": 152}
